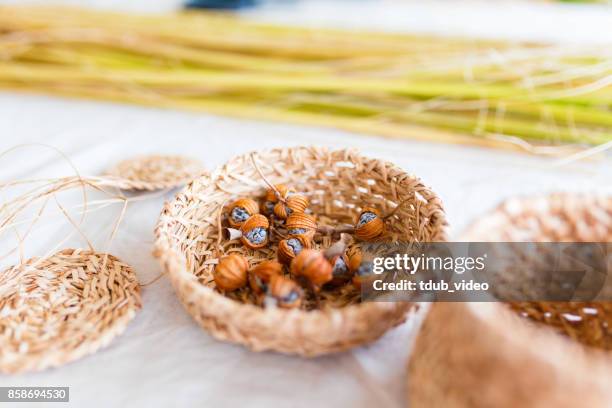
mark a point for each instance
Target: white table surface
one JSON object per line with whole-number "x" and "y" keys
{"x": 164, "y": 358}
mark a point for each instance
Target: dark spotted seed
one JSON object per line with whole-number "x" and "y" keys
{"x": 295, "y": 245}
{"x": 291, "y": 297}
{"x": 365, "y": 269}
{"x": 257, "y": 235}
{"x": 340, "y": 267}
{"x": 296, "y": 231}
{"x": 365, "y": 218}
{"x": 239, "y": 214}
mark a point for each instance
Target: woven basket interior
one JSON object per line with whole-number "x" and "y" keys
{"x": 558, "y": 218}
{"x": 339, "y": 184}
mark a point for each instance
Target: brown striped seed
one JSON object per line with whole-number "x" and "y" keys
{"x": 240, "y": 211}
{"x": 369, "y": 225}
{"x": 285, "y": 291}
{"x": 255, "y": 231}
{"x": 313, "y": 266}
{"x": 301, "y": 224}
{"x": 260, "y": 275}
{"x": 290, "y": 247}
{"x": 295, "y": 203}
{"x": 231, "y": 273}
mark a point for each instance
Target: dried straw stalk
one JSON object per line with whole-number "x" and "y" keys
{"x": 517, "y": 96}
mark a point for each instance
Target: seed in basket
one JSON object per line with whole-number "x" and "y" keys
{"x": 370, "y": 224}
{"x": 301, "y": 224}
{"x": 231, "y": 273}
{"x": 290, "y": 247}
{"x": 313, "y": 266}
{"x": 361, "y": 268}
{"x": 241, "y": 210}
{"x": 271, "y": 197}
{"x": 364, "y": 273}
{"x": 295, "y": 203}
{"x": 284, "y": 292}
{"x": 260, "y": 275}
{"x": 255, "y": 231}
{"x": 340, "y": 272}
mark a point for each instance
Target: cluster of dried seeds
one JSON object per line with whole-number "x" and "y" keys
{"x": 284, "y": 213}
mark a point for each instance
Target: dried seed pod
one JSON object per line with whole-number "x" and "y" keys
{"x": 282, "y": 189}
{"x": 271, "y": 198}
{"x": 240, "y": 211}
{"x": 363, "y": 274}
{"x": 260, "y": 275}
{"x": 355, "y": 257}
{"x": 295, "y": 203}
{"x": 340, "y": 270}
{"x": 301, "y": 224}
{"x": 285, "y": 292}
{"x": 231, "y": 272}
{"x": 313, "y": 266}
{"x": 370, "y": 224}
{"x": 292, "y": 246}
{"x": 255, "y": 231}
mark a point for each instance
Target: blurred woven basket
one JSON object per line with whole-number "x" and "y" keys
{"x": 338, "y": 183}
{"x": 490, "y": 354}
{"x": 154, "y": 172}
{"x": 61, "y": 308}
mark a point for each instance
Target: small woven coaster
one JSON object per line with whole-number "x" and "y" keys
{"x": 59, "y": 309}
{"x": 155, "y": 172}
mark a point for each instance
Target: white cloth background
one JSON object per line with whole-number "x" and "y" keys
{"x": 164, "y": 358}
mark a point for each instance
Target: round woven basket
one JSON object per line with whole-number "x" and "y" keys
{"x": 61, "y": 308}
{"x": 338, "y": 183}
{"x": 155, "y": 172}
{"x": 529, "y": 354}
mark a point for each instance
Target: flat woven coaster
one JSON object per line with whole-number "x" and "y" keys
{"x": 155, "y": 172}
{"x": 59, "y": 309}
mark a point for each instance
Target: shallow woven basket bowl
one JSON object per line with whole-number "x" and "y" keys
{"x": 58, "y": 309}
{"x": 338, "y": 183}
{"x": 486, "y": 354}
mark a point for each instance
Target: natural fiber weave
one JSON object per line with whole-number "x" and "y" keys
{"x": 338, "y": 184}
{"x": 556, "y": 218}
{"x": 483, "y": 355}
{"x": 59, "y": 309}
{"x": 155, "y": 172}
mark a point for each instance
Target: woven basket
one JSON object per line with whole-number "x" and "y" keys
{"x": 524, "y": 354}
{"x": 154, "y": 172}
{"x": 58, "y": 309}
{"x": 338, "y": 184}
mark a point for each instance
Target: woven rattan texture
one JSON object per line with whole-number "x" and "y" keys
{"x": 59, "y": 309}
{"x": 559, "y": 217}
{"x": 486, "y": 354}
{"x": 155, "y": 172}
{"x": 339, "y": 184}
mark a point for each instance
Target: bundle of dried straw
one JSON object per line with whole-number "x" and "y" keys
{"x": 521, "y": 96}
